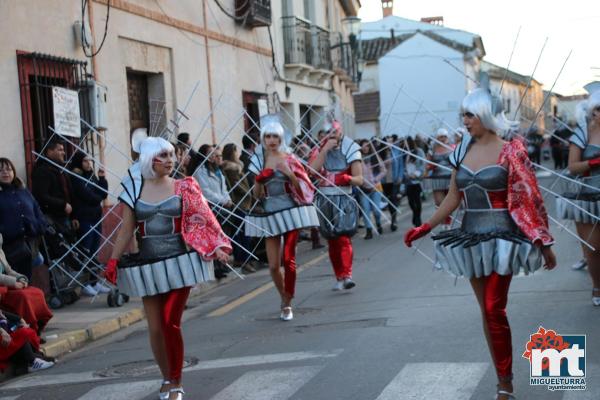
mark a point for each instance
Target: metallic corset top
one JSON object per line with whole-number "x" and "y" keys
{"x": 277, "y": 197}
{"x": 159, "y": 225}
{"x": 442, "y": 159}
{"x": 159, "y": 218}
{"x": 335, "y": 161}
{"x": 483, "y": 189}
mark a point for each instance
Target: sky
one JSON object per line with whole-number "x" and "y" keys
{"x": 568, "y": 25}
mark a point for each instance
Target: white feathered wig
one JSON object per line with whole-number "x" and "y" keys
{"x": 150, "y": 148}
{"x": 584, "y": 110}
{"x": 274, "y": 128}
{"x": 479, "y": 102}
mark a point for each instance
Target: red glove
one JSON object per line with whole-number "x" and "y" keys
{"x": 264, "y": 175}
{"x": 415, "y": 233}
{"x": 342, "y": 179}
{"x": 594, "y": 162}
{"x": 110, "y": 272}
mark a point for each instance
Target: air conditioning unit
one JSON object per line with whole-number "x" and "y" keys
{"x": 253, "y": 13}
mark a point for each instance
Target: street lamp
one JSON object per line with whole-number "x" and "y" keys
{"x": 351, "y": 26}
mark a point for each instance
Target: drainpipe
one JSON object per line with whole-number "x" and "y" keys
{"x": 210, "y": 94}
{"x": 90, "y": 10}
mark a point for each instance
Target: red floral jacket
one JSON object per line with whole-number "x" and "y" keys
{"x": 525, "y": 202}
{"x": 199, "y": 227}
{"x": 306, "y": 193}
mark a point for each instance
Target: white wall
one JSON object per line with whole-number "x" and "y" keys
{"x": 366, "y": 130}
{"x": 370, "y": 79}
{"x": 417, "y": 65}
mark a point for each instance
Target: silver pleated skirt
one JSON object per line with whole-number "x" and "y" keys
{"x": 434, "y": 183}
{"x": 279, "y": 222}
{"x": 486, "y": 242}
{"x": 566, "y": 209}
{"x": 138, "y": 278}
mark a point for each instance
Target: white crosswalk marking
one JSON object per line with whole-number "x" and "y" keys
{"x": 90, "y": 376}
{"x": 592, "y": 380}
{"x": 53, "y": 379}
{"x": 275, "y": 384}
{"x": 435, "y": 381}
{"x": 263, "y": 359}
{"x": 123, "y": 391}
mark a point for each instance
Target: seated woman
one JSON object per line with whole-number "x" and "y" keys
{"x": 18, "y": 297}
{"x": 20, "y": 346}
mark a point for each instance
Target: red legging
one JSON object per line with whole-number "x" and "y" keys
{"x": 340, "y": 254}
{"x": 289, "y": 261}
{"x": 172, "y": 310}
{"x": 495, "y": 297}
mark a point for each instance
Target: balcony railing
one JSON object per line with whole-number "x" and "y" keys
{"x": 306, "y": 43}
{"x": 253, "y": 13}
{"x": 343, "y": 59}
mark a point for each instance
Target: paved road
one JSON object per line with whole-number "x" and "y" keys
{"x": 405, "y": 332}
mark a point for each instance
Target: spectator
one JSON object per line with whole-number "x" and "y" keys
{"x": 249, "y": 142}
{"x": 89, "y": 191}
{"x": 21, "y": 220}
{"x": 211, "y": 179}
{"x": 18, "y": 297}
{"x": 214, "y": 188}
{"x": 534, "y": 144}
{"x": 413, "y": 172}
{"x": 394, "y": 164}
{"x": 239, "y": 190}
{"x": 370, "y": 196}
{"x": 52, "y": 188}
{"x": 184, "y": 156}
{"x": 184, "y": 139}
{"x": 20, "y": 345}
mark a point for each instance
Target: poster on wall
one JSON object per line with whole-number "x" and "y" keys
{"x": 66, "y": 112}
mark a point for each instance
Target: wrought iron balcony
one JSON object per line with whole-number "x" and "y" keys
{"x": 306, "y": 43}
{"x": 344, "y": 60}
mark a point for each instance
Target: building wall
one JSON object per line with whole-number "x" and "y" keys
{"x": 142, "y": 37}
{"x": 366, "y": 130}
{"x": 370, "y": 78}
{"x": 417, "y": 66}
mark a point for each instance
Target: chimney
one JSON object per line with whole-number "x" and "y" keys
{"x": 387, "y": 7}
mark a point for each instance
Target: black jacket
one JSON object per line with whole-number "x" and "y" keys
{"x": 51, "y": 187}
{"x": 20, "y": 215}
{"x": 87, "y": 198}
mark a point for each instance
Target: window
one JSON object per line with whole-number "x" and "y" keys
{"x": 38, "y": 73}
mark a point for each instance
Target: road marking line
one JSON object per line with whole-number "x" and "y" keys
{"x": 275, "y": 384}
{"x": 122, "y": 391}
{"x": 219, "y": 312}
{"x": 54, "y": 379}
{"x": 9, "y": 398}
{"x": 263, "y": 359}
{"x": 427, "y": 381}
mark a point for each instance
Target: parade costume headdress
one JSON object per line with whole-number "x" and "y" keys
{"x": 481, "y": 103}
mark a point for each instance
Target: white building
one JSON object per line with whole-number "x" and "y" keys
{"x": 422, "y": 70}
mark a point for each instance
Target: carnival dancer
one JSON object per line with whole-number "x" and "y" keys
{"x": 584, "y": 162}
{"x": 178, "y": 239}
{"x": 439, "y": 178}
{"x": 337, "y": 160}
{"x": 504, "y": 229}
{"x": 286, "y": 195}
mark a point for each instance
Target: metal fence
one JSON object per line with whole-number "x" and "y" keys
{"x": 306, "y": 43}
